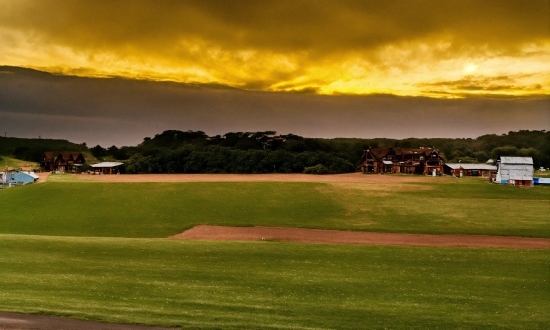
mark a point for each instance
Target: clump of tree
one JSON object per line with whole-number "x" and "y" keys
{"x": 26, "y": 153}
{"x": 112, "y": 153}
{"x": 265, "y": 152}
{"x": 32, "y": 149}
{"x": 317, "y": 169}
{"x": 219, "y": 159}
{"x": 535, "y": 144}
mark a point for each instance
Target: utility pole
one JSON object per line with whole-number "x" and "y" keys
{"x": 4, "y": 176}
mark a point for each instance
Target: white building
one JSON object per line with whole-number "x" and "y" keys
{"x": 515, "y": 170}
{"x": 105, "y": 167}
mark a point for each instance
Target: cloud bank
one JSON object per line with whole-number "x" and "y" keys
{"x": 119, "y": 111}
{"x": 402, "y": 47}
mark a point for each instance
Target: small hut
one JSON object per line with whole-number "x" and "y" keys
{"x": 105, "y": 167}
{"x": 18, "y": 178}
{"x": 468, "y": 169}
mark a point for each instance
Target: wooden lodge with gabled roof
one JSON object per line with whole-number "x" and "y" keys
{"x": 402, "y": 160}
{"x": 62, "y": 161}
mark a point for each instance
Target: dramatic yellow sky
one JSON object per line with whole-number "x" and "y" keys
{"x": 449, "y": 49}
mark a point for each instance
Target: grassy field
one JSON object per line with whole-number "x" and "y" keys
{"x": 97, "y": 251}
{"x": 269, "y": 285}
{"x": 13, "y": 163}
{"x": 465, "y": 206}
{"x": 540, "y": 174}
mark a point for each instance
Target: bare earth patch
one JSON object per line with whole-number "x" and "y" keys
{"x": 302, "y": 235}
{"x": 42, "y": 176}
{"x": 275, "y": 177}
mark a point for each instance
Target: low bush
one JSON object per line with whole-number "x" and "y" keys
{"x": 317, "y": 169}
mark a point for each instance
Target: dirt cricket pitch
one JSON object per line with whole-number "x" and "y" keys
{"x": 275, "y": 177}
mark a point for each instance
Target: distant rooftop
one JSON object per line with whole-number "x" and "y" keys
{"x": 516, "y": 160}
{"x": 106, "y": 164}
{"x": 456, "y": 166}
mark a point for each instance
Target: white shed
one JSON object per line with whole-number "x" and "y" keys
{"x": 515, "y": 170}
{"x": 105, "y": 167}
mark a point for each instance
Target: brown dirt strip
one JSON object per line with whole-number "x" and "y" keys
{"x": 42, "y": 176}
{"x": 319, "y": 236}
{"x": 17, "y": 321}
{"x": 275, "y": 177}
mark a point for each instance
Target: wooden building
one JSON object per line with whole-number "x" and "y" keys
{"x": 465, "y": 169}
{"x": 62, "y": 161}
{"x": 402, "y": 160}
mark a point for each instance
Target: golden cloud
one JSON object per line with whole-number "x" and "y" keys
{"x": 399, "y": 47}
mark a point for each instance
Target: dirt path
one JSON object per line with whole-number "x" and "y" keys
{"x": 17, "y": 321}
{"x": 319, "y": 236}
{"x": 42, "y": 177}
{"x": 350, "y": 177}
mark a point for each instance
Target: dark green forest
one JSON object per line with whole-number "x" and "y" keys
{"x": 174, "y": 151}
{"x": 32, "y": 149}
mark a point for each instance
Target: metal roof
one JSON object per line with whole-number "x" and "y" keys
{"x": 107, "y": 164}
{"x": 516, "y": 160}
{"x": 467, "y": 166}
{"x": 32, "y": 174}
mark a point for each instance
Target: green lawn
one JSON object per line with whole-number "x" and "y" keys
{"x": 271, "y": 285}
{"x": 84, "y": 267}
{"x": 540, "y": 174}
{"x": 466, "y": 206}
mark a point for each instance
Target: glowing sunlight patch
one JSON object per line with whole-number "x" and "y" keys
{"x": 469, "y": 68}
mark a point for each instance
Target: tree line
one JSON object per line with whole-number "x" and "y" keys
{"x": 175, "y": 151}
{"x": 218, "y": 159}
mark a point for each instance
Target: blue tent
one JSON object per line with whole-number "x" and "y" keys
{"x": 20, "y": 177}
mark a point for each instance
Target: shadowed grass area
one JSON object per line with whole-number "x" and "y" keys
{"x": 159, "y": 209}
{"x": 16, "y": 163}
{"x": 267, "y": 285}
{"x": 464, "y": 206}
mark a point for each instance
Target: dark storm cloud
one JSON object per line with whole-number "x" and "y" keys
{"x": 123, "y": 112}
{"x": 287, "y": 26}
